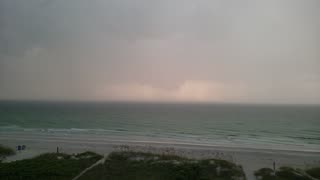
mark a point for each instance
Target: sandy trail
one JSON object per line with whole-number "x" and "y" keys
{"x": 101, "y": 161}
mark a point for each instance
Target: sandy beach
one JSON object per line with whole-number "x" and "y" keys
{"x": 250, "y": 158}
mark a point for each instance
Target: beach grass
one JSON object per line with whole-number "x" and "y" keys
{"x": 5, "y": 151}
{"x": 127, "y": 165}
{"x": 287, "y": 173}
{"x": 146, "y": 166}
{"x": 48, "y": 166}
{"x": 314, "y": 172}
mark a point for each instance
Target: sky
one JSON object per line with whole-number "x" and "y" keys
{"x": 246, "y": 51}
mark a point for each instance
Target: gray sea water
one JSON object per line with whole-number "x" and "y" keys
{"x": 295, "y": 127}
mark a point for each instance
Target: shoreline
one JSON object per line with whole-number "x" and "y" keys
{"x": 106, "y": 139}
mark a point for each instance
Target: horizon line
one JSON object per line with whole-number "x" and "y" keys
{"x": 158, "y": 102}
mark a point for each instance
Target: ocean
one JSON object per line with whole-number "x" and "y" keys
{"x": 288, "y": 127}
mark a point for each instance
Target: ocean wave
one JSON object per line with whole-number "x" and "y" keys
{"x": 220, "y": 137}
{"x": 19, "y": 128}
{"x": 10, "y": 127}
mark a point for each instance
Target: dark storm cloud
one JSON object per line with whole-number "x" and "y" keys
{"x": 248, "y": 51}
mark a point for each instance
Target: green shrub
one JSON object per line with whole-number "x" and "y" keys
{"x": 314, "y": 172}
{"x": 6, "y": 151}
{"x": 47, "y": 166}
{"x": 145, "y": 166}
{"x": 286, "y": 173}
{"x": 291, "y": 174}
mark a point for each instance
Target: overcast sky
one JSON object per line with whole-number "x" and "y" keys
{"x": 167, "y": 50}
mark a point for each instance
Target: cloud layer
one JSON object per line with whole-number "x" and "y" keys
{"x": 170, "y": 50}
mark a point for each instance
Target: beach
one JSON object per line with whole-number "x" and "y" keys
{"x": 251, "y": 159}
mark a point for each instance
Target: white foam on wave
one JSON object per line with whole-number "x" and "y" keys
{"x": 96, "y": 135}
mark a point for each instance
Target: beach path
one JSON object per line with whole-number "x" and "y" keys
{"x": 101, "y": 161}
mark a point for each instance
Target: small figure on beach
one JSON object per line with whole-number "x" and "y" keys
{"x": 57, "y": 149}
{"x": 19, "y": 148}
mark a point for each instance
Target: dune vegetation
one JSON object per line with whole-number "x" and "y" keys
{"x": 5, "y": 151}
{"x": 287, "y": 173}
{"x": 146, "y": 166}
{"x": 127, "y": 165}
{"x": 48, "y": 166}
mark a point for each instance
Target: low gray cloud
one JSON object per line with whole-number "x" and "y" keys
{"x": 171, "y": 50}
